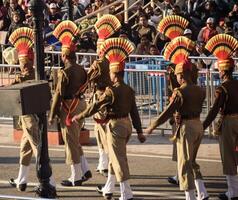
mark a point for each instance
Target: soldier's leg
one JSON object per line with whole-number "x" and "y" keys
{"x": 120, "y": 132}
{"x": 229, "y": 156}
{"x": 102, "y": 148}
{"x": 31, "y": 130}
{"x": 185, "y": 169}
{"x": 200, "y": 187}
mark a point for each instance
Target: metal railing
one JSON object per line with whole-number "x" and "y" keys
{"x": 143, "y": 73}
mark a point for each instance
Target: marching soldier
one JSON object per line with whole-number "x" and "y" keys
{"x": 98, "y": 73}
{"x": 226, "y": 101}
{"x": 69, "y": 100}
{"x": 118, "y": 107}
{"x": 173, "y": 83}
{"x": 187, "y": 100}
{"x": 22, "y": 39}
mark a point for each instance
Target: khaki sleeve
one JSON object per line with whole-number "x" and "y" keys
{"x": 175, "y": 102}
{"x": 220, "y": 97}
{"x": 105, "y": 99}
{"x": 59, "y": 93}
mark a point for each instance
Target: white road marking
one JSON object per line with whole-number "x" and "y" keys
{"x": 129, "y": 154}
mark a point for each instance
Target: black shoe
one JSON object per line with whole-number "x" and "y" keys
{"x": 234, "y": 198}
{"x": 86, "y": 176}
{"x": 206, "y": 198}
{"x": 46, "y": 190}
{"x": 104, "y": 172}
{"x": 173, "y": 181}
{"x": 21, "y": 187}
{"x": 68, "y": 183}
{"x": 223, "y": 196}
{"x": 107, "y": 195}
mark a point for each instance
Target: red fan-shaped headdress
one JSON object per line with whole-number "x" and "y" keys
{"x": 22, "y": 39}
{"x": 116, "y": 50}
{"x": 106, "y": 26}
{"x": 66, "y": 32}
{"x": 177, "y": 52}
{"x": 222, "y": 46}
{"x": 172, "y": 26}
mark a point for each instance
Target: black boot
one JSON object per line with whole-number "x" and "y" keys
{"x": 86, "y": 176}
{"x": 21, "y": 187}
{"x": 68, "y": 183}
{"x": 46, "y": 190}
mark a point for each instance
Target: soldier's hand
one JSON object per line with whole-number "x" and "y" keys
{"x": 76, "y": 118}
{"x": 148, "y": 131}
{"x": 50, "y": 121}
{"x": 141, "y": 137}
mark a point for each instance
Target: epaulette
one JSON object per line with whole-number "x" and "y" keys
{"x": 109, "y": 92}
{"x": 62, "y": 73}
{"x": 178, "y": 93}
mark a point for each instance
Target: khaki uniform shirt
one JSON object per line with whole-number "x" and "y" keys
{"x": 119, "y": 101}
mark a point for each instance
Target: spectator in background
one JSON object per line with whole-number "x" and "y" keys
{"x": 143, "y": 48}
{"x": 153, "y": 50}
{"x": 4, "y": 21}
{"x": 208, "y": 31}
{"x": 233, "y": 15}
{"x": 54, "y": 16}
{"x": 78, "y": 10}
{"x": 154, "y": 19}
{"x": 145, "y": 29}
{"x": 208, "y": 9}
{"x": 15, "y": 24}
{"x": 99, "y": 4}
{"x": 14, "y": 7}
{"x": 188, "y": 33}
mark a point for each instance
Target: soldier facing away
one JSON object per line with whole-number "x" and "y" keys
{"x": 226, "y": 101}
{"x": 119, "y": 107}
{"x": 69, "y": 100}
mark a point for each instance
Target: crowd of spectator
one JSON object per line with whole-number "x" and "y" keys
{"x": 206, "y": 19}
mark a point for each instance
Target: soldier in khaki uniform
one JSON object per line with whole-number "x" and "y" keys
{"x": 187, "y": 100}
{"x": 99, "y": 75}
{"x": 67, "y": 101}
{"x": 226, "y": 101}
{"x": 118, "y": 109}
{"x": 23, "y": 39}
{"x": 173, "y": 83}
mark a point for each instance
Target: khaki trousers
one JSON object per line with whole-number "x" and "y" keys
{"x": 30, "y": 138}
{"x": 70, "y": 134}
{"x": 191, "y": 132}
{"x": 118, "y": 134}
{"x": 174, "y": 152}
{"x": 101, "y": 137}
{"x": 228, "y": 141}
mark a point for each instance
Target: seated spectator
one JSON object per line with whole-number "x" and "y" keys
{"x": 208, "y": 31}
{"x": 14, "y": 7}
{"x": 99, "y": 4}
{"x": 188, "y": 33}
{"x": 54, "y": 15}
{"x": 145, "y": 29}
{"x": 153, "y": 50}
{"x": 233, "y": 15}
{"x": 89, "y": 21}
{"x": 154, "y": 18}
{"x": 15, "y": 24}
{"x": 4, "y": 21}
{"x": 143, "y": 48}
{"x": 78, "y": 9}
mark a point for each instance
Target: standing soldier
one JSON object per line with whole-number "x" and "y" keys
{"x": 69, "y": 100}
{"x": 22, "y": 39}
{"x": 226, "y": 101}
{"x": 187, "y": 100}
{"x": 98, "y": 73}
{"x": 118, "y": 106}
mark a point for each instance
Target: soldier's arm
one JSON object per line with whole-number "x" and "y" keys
{"x": 218, "y": 103}
{"x": 94, "y": 107}
{"x": 59, "y": 93}
{"x": 175, "y": 103}
{"x": 136, "y": 122}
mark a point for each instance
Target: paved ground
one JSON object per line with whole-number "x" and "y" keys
{"x": 150, "y": 165}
